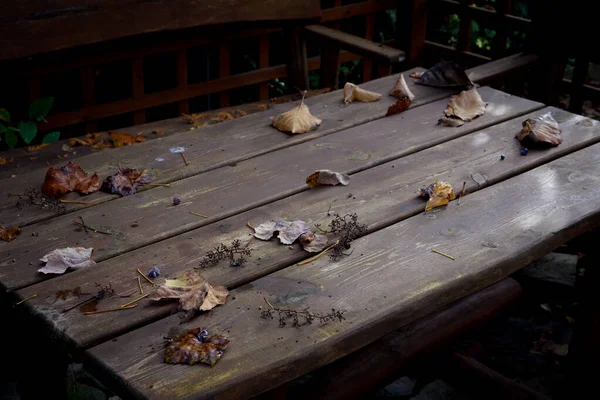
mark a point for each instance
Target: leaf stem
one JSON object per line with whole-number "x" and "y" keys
{"x": 25, "y": 299}
{"x": 442, "y": 254}
{"x": 145, "y": 277}
{"x": 309, "y": 260}
{"x": 135, "y": 301}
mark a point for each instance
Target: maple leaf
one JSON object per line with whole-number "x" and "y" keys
{"x": 124, "y": 139}
{"x": 297, "y": 120}
{"x": 125, "y": 182}
{"x": 439, "y": 194}
{"x": 9, "y": 234}
{"x": 193, "y": 292}
{"x": 6, "y": 160}
{"x": 59, "y": 260}
{"x": 69, "y": 178}
{"x": 353, "y": 92}
{"x": 327, "y": 177}
{"x": 195, "y": 347}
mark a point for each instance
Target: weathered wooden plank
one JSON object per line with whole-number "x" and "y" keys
{"x": 488, "y": 72}
{"x": 380, "y": 196}
{"x": 35, "y": 27}
{"x": 148, "y": 217}
{"x": 392, "y": 279}
{"x": 218, "y": 146}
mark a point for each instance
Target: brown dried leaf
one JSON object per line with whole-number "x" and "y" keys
{"x": 37, "y": 147}
{"x": 262, "y": 107}
{"x": 222, "y": 116}
{"x": 327, "y": 177}
{"x": 124, "y": 139}
{"x": 439, "y": 194}
{"x": 401, "y": 90}
{"x": 543, "y": 130}
{"x": 239, "y": 113}
{"x": 313, "y": 243}
{"x": 193, "y": 348}
{"x": 288, "y": 231}
{"x": 6, "y": 160}
{"x": 66, "y": 147}
{"x": 467, "y": 105}
{"x": 353, "y": 92}
{"x": 453, "y": 122}
{"x": 8, "y": 235}
{"x": 158, "y": 132}
{"x": 125, "y": 182}
{"x": 416, "y": 74}
{"x": 69, "y": 178}
{"x": 192, "y": 291}
{"x": 445, "y": 74}
{"x": 399, "y": 107}
{"x": 195, "y": 119}
{"x": 88, "y": 140}
{"x": 59, "y": 260}
{"x": 297, "y": 120}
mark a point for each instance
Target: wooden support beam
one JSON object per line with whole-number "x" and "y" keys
{"x": 580, "y": 72}
{"x": 224, "y": 71}
{"x": 411, "y": 29}
{"x": 263, "y": 62}
{"x": 297, "y": 68}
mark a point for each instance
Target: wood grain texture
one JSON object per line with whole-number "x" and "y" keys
{"x": 150, "y": 216}
{"x": 217, "y": 146}
{"x": 392, "y": 279}
{"x": 32, "y": 26}
{"x": 381, "y": 196}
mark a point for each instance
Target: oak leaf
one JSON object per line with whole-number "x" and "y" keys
{"x": 69, "y": 178}
{"x": 125, "y": 182}
{"x": 353, "y": 92}
{"x": 60, "y": 260}
{"x": 327, "y": 177}
{"x": 438, "y": 194}
{"x": 193, "y": 292}
{"x": 8, "y": 235}
{"x": 297, "y": 120}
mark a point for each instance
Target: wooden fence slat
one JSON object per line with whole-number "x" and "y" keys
{"x": 137, "y": 87}
{"x": 503, "y": 7}
{"x": 354, "y": 10}
{"x": 182, "y": 78}
{"x": 464, "y": 33}
{"x": 224, "y": 71}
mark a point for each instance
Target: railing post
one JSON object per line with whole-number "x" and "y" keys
{"x": 411, "y": 27}
{"x": 297, "y": 68}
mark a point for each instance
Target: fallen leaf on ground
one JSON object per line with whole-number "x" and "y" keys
{"x": 193, "y": 292}
{"x": 6, "y": 160}
{"x": 445, "y": 74}
{"x": 416, "y": 74}
{"x": 88, "y": 140}
{"x": 9, "y": 234}
{"x": 60, "y": 260}
{"x": 327, "y": 177}
{"x": 313, "y": 242}
{"x": 287, "y": 231}
{"x": 262, "y": 107}
{"x": 222, "y": 116}
{"x": 66, "y": 147}
{"x": 399, "y": 107}
{"x": 69, "y": 178}
{"x": 439, "y": 194}
{"x": 543, "y": 130}
{"x": 36, "y": 147}
{"x": 466, "y": 106}
{"x": 125, "y": 182}
{"x": 195, "y": 119}
{"x": 124, "y": 139}
{"x": 452, "y": 122}
{"x": 353, "y": 92}
{"x": 239, "y": 113}
{"x": 195, "y": 347}
{"x": 297, "y": 120}
{"x": 545, "y": 345}
{"x": 158, "y": 132}
{"x": 401, "y": 89}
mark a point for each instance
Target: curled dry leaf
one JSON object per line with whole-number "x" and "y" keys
{"x": 195, "y": 347}
{"x": 69, "y": 178}
{"x": 399, "y": 107}
{"x": 6, "y": 160}
{"x": 439, "y": 194}
{"x": 466, "y": 106}
{"x": 88, "y": 140}
{"x": 37, "y": 147}
{"x": 195, "y": 119}
{"x": 327, "y": 177}
{"x": 8, "y": 235}
{"x": 543, "y": 130}
{"x": 453, "y": 122}
{"x": 297, "y": 120}
{"x": 445, "y": 74}
{"x": 239, "y": 113}
{"x": 353, "y": 92}
{"x": 59, "y": 260}
{"x": 124, "y": 139}
{"x": 289, "y": 232}
{"x": 125, "y": 182}
{"x": 401, "y": 89}
{"x": 222, "y": 116}
{"x": 313, "y": 242}
{"x": 193, "y": 292}
{"x": 416, "y": 74}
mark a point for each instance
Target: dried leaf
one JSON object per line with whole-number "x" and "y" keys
{"x": 453, "y": 122}
{"x": 543, "y": 130}
{"x": 467, "y": 105}
{"x": 6, "y": 160}
{"x": 262, "y": 107}
{"x": 158, "y": 132}
{"x": 69, "y": 178}
{"x": 288, "y": 232}
{"x": 545, "y": 345}
{"x": 195, "y": 119}
{"x": 439, "y": 194}
{"x": 445, "y": 74}
{"x": 327, "y": 177}
{"x": 192, "y": 291}
{"x": 8, "y": 235}
{"x": 36, "y": 147}
{"x": 399, "y": 107}
{"x": 401, "y": 90}
{"x": 124, "y": 139}
{"x": 222, "y": 116}
{"x": 125, "y": 182}
{"x": 59, "y": 260}
{"x": 239, "y": 113}
{"x": 88, "y": 140}
{"x": 297, "y": 120}
{"x": 353, "y": 92}
{"x": 66, "y": 147}
{"x": 195, "y": 347}
{"x": 416, "y": 74}
{"x": 101, "y": 145}
{"x": 313, "y": 242}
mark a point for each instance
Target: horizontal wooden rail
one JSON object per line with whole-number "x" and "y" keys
{"x": 355, "y": 10}
{"x": 488, "y": 17}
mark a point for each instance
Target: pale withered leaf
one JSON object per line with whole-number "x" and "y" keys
{"x": 327, "y": 177}
{"x": 59, "y": 260}
{"x": 467, "y": 105}
{"x": 353, "y": 92}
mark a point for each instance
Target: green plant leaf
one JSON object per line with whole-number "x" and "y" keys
{"x": 2, "y": 129}
{"x": 40, "y": 108}
{"x": 11, "y": 138}
{"x": 4, "y": 115}
{"x": 28, "y": 130}
{"x": 51, "y": 137}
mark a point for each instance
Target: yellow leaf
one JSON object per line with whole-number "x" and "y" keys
{"x": 297, "y": 120}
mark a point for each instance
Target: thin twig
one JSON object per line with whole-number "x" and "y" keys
{"x": 249, "y": 225}
{"x": 135, "y": 301}
{"x": 140, "y": 285}
{"x": 184, "y": 159}
{"x": 145, "y": 277}
{"x": 90, "y": 203}
{"x": 83, "y": 225}
{"x": 25, "y": 299}
{"x": 110, "y": 309}
{"x": 86, "y": 227}
{"x": 270, "y": 305}
{"x": 442, "y": 254}
{"x": 308, "y": 261}
{"x": 199, "y": 215}
{"x": 461, "y": 193}
{"x": 159, "y": 184}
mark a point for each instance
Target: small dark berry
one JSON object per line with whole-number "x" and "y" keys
{"x": 202, "y": 336}
{"x": 235, "y": 264}
{"x": 176, "y": 201}
{"x": 524, "y": 151}
{"x": 502, "y": 156}
{"x": 154, "y": 273}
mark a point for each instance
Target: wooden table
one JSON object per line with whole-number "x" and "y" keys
{"x": 517, "y": 210}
